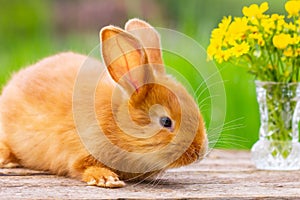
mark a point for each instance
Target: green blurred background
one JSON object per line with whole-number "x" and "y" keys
{"x": 31, "y": 30}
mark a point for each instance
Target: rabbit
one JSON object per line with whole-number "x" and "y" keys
{"x": 141, "y": 110}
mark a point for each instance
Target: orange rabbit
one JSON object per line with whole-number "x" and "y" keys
{"x": 149, "y": 121}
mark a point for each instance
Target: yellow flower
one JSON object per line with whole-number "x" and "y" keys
{"x": 281, "y": 41}
{"x": 225, "y": 23}
{"x": 295, "y": 39}
{"x": 263, "y": 42}
{"x": 276, "y": 17}
{"x": 212, "y": 50}
{"x": 253, "y": 11}
{"x": 292, "y": 7}
{"x": 268, "y": 25}
{"x": 238, "y": 27}
{"x": 290, "y": 26}
{"x": 236, "y": 31}
{"x": 240, "y": 49}
{"x": 278, "y": 20}
{"x": 257, "y": 37}
{"x": 223, "y": 55}
{"x": 217, "y": 35}
{"x": 253, "y": 29}
{"x": 288, "y": 52}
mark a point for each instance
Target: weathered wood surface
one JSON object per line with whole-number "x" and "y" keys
{"x": 223, "y": 175}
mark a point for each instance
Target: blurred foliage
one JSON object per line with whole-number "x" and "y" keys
{"x": 22, "y": 25}
{"x": 28, "y": 33}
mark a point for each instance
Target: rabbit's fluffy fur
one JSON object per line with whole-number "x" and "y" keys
{"x": 37, "y": 128}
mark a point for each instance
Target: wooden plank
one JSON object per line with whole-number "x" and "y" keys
{"x": 223, "y": 175}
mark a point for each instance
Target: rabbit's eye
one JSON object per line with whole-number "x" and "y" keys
{"x": 165, "y": 122}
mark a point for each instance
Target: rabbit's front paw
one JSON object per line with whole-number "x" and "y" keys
{"x": 3, "y": 164}
{"x": 102, "y": 177}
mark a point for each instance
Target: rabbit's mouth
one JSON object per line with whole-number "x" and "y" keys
{"x": 196, "y": 152}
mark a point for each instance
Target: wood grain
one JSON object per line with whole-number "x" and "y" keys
{"x": 223, "y": 175}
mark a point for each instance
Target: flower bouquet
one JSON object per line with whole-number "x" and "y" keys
{"x": 268, "y": 45}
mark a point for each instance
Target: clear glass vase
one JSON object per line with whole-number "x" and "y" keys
{"x": 278, "y": 146}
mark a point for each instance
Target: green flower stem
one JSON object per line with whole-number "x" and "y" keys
{"x": 280, "y": 105}
{"x": 273, "y": 65}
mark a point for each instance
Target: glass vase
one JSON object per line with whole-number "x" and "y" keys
{"x": 278, "y": 146}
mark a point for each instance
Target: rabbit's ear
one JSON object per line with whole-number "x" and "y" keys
{"x": 125, "y": 58}
{"x": 150, "y": 40}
